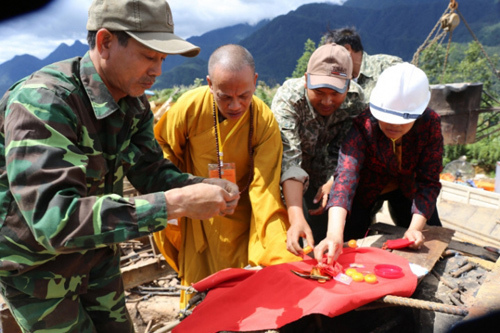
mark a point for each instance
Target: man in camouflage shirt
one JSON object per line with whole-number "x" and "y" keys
{"x": 313, "y": 125}
{"x": 69, "y": 135}
{"x": 365, "y": 71}
{"x": 366, "y": 68}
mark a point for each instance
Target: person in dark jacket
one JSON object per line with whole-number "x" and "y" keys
{"x": 393, "y": 152}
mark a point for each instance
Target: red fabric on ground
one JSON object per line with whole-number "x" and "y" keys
{"x": 243, "y": 300}
{"x": 398, "y": 243}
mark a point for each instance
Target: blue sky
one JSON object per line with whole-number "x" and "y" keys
{"x": 63, "y": 21}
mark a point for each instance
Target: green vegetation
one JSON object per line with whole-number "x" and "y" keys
{"x": 301, "y": 66}
{"x": 470, "y": 65}
{"x": 266, "y": 93}
{"x": 483, "y": 154}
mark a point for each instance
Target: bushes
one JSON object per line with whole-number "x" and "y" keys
{"x": 484, "y": 154}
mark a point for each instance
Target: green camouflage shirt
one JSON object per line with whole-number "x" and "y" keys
{"x": 371, "y": 68}
{"x": 310, "y": 141}
{"x": 66, "y": 147}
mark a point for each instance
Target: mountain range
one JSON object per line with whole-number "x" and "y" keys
{"x": 385, "y": 26}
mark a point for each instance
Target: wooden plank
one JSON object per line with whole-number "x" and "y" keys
{"x": 466, "y": 248}
{"x": 474, "y": 250}
{"x": 469, "y": 196}
{"x": 145, "y": 271}
{"x": 480, "y": 224}
{"x": 436, "y": 241}
{"x": 488, "y": 295}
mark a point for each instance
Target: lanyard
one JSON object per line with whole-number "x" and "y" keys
{"x": 218, "y": 143}
{"x": 220, "y": 146}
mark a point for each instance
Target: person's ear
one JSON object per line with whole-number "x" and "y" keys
{"x": 210, "y": 84}
{"x": 103, "y": 42}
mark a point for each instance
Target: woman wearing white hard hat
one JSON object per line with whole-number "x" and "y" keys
{"x": 393, "y": 152}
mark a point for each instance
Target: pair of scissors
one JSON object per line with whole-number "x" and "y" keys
{"x": 311, "y": 275}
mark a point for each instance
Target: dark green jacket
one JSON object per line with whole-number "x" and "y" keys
{"x": 65, "y": 148}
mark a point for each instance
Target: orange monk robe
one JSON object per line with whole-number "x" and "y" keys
{"x": 256, "y": 233}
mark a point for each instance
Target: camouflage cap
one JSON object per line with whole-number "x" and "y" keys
{"x": 147, "y": 21}
{"x": 330, "y": 66}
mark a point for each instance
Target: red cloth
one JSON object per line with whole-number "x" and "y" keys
{"x": 247, "y": 300}
{"x": 400, "y": 243}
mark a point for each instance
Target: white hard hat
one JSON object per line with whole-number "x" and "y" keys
{"x": 401, "y": 94}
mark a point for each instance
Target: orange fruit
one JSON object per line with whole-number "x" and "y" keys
{"x": 352, "y": 244}
{"x": 358, "y": 277}
{"x": 350, "y": 271}
{"x": 370, "y": 278}
{"x": 307, "y": 249}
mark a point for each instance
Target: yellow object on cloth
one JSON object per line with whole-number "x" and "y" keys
{"x": 256, "y": 233}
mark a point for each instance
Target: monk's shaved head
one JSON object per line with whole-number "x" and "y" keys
{"x": 230, "y": 57}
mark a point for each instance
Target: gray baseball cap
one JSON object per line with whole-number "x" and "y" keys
{"x": 149, "y": 22}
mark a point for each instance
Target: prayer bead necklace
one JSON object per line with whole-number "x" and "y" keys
{"x": 250, "y": 148}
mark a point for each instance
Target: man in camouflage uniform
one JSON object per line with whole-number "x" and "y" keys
{"x": 366, "y": 68}
{"x": 313, "y": 120}
{"x": 69, "y": 135}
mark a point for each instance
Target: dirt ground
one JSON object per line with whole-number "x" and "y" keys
{"x": 152, "y": 311}
{"x": 153, "y": 305}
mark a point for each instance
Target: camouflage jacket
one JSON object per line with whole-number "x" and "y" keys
{"x": 372, "y": 66}
{"x": 310, "y": 141}
{"x": 66, "y": 147}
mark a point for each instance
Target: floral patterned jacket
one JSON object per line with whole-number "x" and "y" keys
{"x": 367, "y": 164}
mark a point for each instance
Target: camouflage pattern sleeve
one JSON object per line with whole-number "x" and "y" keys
{"x": 65, "y": 154}
{"x": 149, "y": 160}
{"x": 371, "y": 68}
{"x": 286, "y": 106}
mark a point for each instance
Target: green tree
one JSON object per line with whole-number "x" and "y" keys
{"x": 470, "y": 66}
{"x": 301, "y": 66}
{"x": 432, "y": 62}
{"x": 265, "y": 93}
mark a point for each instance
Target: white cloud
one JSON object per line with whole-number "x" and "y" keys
{"x": 195, "y": 17}
{"x": 64, "y": 21}
{"x": 39, "y": 33}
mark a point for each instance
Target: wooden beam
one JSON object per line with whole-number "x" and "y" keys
{"x": 474, "y": 250}
{"x": 145, "y": 271}
{"x": 488, "y": 296}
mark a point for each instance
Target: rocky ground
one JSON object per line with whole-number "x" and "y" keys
{"x": 153, "y": 313}
{"x": 152, "y": 305}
